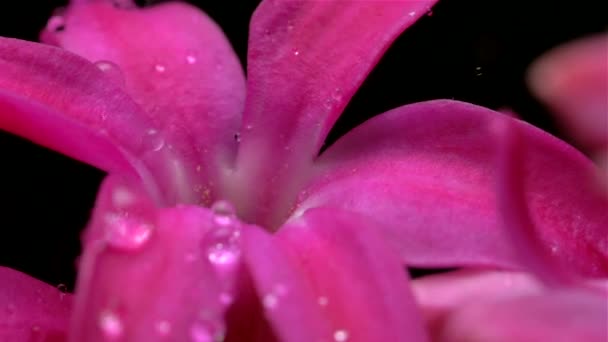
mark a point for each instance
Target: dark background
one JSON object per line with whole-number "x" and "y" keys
{"x": 474, "y": 51}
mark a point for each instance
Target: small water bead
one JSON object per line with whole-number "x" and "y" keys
{"x": 226, "y": 298}
{"x": 153, "y": 141}
{"x": 112, "y": 70}
{"x": 223, "y": 213}
{"x": 163, "y": 327}
{"x": 340, "y": 335}
{"x": 296, "y": 53}
{"x": 190, "y": 59}
{"x": 160, "y": 68}
{"x": 207, "y": 331}
{"x": 56, "y": 23}
{"x": 125, "y": 233}
{"x": 270, "y": 301}
{"x": 323, "y": 301}
{"x": 63, "y": 289}
{"x": 111, "y": 325}
{"x": 412, "y": 13}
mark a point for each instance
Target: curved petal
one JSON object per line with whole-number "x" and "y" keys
{"x": 360, "y": 284}
{"x": 61, "y": 101}
{"x": 288, "y": 302}
{"x": 305, "y": 61}
{"x": 31, "y": 309}
{"x": 573, "y": 81}
{"x": 452, "y": 302}
{"x": 149, "y": 275}
{"x": 565, "y": 315}
{"x": 428, "y": 173}
{"x": 178, "y": 65}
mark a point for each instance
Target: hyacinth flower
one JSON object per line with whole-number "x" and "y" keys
{"x": 219, "y": 219}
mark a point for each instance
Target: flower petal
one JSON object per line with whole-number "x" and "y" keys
{"x": 432, "y": 184}
{"x": 289, "y": 303}
{"x": 148, "y": 275}
{"x": 31, "y": 310}
{"x": 178, "y": 65}
{"x": 572, "y": 80}
{"x": 360, "y": 285}
{"x": 61, "y": 101}
{"x": 564, "y": 315}
{"x": 305, "y": 61}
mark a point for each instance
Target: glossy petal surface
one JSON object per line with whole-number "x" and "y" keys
{"x": 179, "y": 67}
{"x": 305, "y": 61}
{"x": 360, "y": 286}
{"x": 428, "y": 173}
{"x": 61, "y": 101}
{"x": 148, "y": 275}
{"x": 573, "y": 80}
{"x": 31, "y": 310}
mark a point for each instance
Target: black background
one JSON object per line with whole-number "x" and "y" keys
{"x": 474, "y": 51}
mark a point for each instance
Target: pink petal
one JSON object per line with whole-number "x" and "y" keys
{"x": 565, "y": 315}
{"x": 63, "y": 102}
{"x": 288, "y": 302}
{"x": 468, "y": 305}
{"x": 360, "y": 286}
{"x": 178, "y": 65}
{"x": 573, "y": 81}
{"x": 428, "y": 172}
{"x": 439, "y": 295}
{"x": 150, "y": 275}
{"x": 31, "y": 310}
{"x": 305, "y": 61}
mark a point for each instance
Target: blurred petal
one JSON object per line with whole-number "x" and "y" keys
{"x": 150, "y": 275}
{"x": 306, "y": 59}
{"x": 31, "y": 310}
{"x": 439, "y": 295}
{"x": 178, "y": 65}
{"x": 573, "y": 81}
{"x": 432, "y": 185}
{"x": 565, "y": 315}
{"x": 360, "y": 285}
{"x": 61, "y": 101}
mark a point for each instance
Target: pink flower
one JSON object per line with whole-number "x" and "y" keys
{"x": 219, "y": 220}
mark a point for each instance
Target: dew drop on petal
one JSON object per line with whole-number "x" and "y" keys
{"x": 412, "y": 13}
{"x": 110, "y": 325}
{"x": 270, "y": 301}
{"x": 323, "y": 301}
{"x": 163, "y": 327}
{"x": 160, "y": 68}
{"x": 153, "y": 141}
{"x": 190, "y": 59}
{"x": 340, "y": 335}
{"x": 56, "y": 23}
{"x": 112, "y": 70}
{"x": 207, "y": 331}
{"x": 226, "y": 298}
{"x": 126, "y": 233}
{"x": 223, "y": 213}
{"x": 296, "y": 53}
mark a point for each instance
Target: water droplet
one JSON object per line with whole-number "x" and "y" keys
{"x": 223, "y": 254}
{"x": 554, "y": 249}
{"x": 249, "y": 127}
{"x": 163, "y": 328}
{"x": 110, "y": 325}
{"x": 153, "y": 141}
{"x": 56, "y": 23}
{"x": 207, "y": 331}
{"x": 223, "y": 213}
{"x": 160, "y": 68}
{"x": 296, "y": 53}
{"x": 323, "y": 301}
{"x": 190, "y": 59}
{"x": 340, "y": 335}
{"x": 63, "y": 289}
{"x": 270, "y": 301}
{"x": 127, "y": 233}
{"x": 226, "y": 298}
{"x": 412, "y": 13}
{"x": 237, "y": 137}
{"x": 122, "y": 197}
{"x": 112, "y": 70}
{"x": 478, "y": 71}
